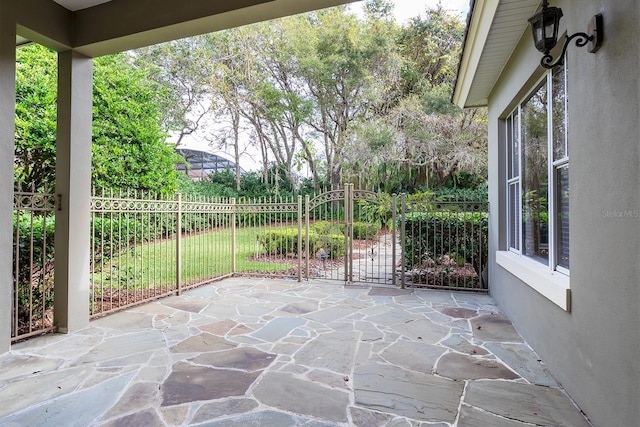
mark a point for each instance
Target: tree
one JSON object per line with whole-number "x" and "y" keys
{"x": 339, "y": 59}
{"x": 35, "y": 125}
{"x": 430, "y": 47}
{"x": 352, "y": 98}
{"x": 183, "y": 69}
{"x": 279, "y": 104}
{"x": 129, "y": 149}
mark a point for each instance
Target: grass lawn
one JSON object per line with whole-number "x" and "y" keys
{"x": 204, "y": 256}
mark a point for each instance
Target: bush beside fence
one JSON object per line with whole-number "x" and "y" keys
{"x": 462, "y": 236}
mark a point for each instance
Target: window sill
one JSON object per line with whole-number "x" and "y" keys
{"x": 552, "y": 285}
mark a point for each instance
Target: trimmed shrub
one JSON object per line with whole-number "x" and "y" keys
{"x": 365, "y": 230}
{"x": 361, "y": 230}
{"x": 35, "y": 256}
{"x": 284, "y": 241}
{"x": 462, "y": 236}
{"x": 327, "y": 227}
{"x": 333, "y": 245}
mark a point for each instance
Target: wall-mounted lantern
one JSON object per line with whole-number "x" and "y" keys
{"x": 544, "y": 25}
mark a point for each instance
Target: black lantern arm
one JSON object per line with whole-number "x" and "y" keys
{"x": 581, "y": 40}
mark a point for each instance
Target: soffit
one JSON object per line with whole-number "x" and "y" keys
{"x": 74, "y": 5}
{"x": 101, "y": 27}
{"x": 492, "y": 36}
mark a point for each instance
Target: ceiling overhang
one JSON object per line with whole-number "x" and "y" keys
{"x": 494, "y": 29}
{"x": 74, "y": 5}
{"x": 101, "y": 27}
{"x": 137, "y": 26}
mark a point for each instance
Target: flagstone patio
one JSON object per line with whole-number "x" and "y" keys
{"x": 261, "y": 352}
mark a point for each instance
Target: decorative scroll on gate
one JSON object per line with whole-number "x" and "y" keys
{"x": 354, "y": 246}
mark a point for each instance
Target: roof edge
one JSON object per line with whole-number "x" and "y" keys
{"x": 479, "y": 23}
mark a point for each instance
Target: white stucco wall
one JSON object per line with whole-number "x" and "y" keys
{"x": 594, "y": 350}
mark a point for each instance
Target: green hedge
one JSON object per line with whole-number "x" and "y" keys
{"x": 460, "y": 235}
{"x": 361, "y": 230}
{"x": 34, "y": 252}
{"x": 284, "y": 241}
{"x": 365, "y": 231}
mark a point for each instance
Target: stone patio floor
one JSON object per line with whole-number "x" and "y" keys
{"x": 261, "y": 352}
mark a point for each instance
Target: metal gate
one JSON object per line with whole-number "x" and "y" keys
{"x": 346, "y": 240}
{"x": 33, "y": 262}
{"x": 361, "y": 236}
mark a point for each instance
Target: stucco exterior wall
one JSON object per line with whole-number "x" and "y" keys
{"x": 7, "y": 113}
{"x": 593, "y": 350}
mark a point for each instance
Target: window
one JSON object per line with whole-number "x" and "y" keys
{"x": 538, "y": 174}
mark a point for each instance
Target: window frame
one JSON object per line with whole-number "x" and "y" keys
{"x": 514, "y": 120}
{"x": 548, "y": 278}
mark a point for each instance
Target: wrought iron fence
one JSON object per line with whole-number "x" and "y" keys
{"x": 145, "y": 247}
{"x": 445, "y": 244}
{"x": 33, "y": 233}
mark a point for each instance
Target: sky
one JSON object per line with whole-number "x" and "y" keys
{"x": 405, "y": 9}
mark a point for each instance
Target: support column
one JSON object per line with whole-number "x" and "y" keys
{"x": 7, "y": 126}
{"x": 73, "y": 185}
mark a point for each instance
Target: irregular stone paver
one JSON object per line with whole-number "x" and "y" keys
{"x": 211, "y": 411}
{"x": 389, "y": 316}
{"x": 458, "y": 312}
{"x": 147, "y": 417}
{"x": 174, "y": 415}
{"x": 363, "y": 417}
{"x": 31, "y": 390}
{"x": 400, "y": 422}
{"x": 494, "y": 327}
{"x": 328, "y": 356}
{"x": 412, "y": 394}
{"x": 331, "y": 314}
{"x": 460, "y": 367}
{"x": 330, "y": 379}
{"x": 82, "y": 407}
{"x": 422, "y": 329}
{"x": 220, "y": 328}
{"x": 201, "y": 343}
{"x": 417, "y": 356}
{"x": 369, "y": 331}
{"x": 130, "y": 320}
{"x": 334, "y": 351}
{"x": 256, "y": 309}
{"x": 388, "y": 292}
{"x": 71, "y": 347}
{"x": 524, "y": 361}
{"x": 278, "y": 328}
{"x": 302, "y": 307}
{"x": 283, "y": 391}
{"x": 458, "y": 343}
{"x": 135, "y": 359}
{"x": 247, "y": 359}
{"x": 111, "y": 348}
{"x": 12, "y": 367}
{"x": 259, "y": 419}
{"x": 190, "y": 304}
{"x": 188, "y": 383}
{"x": 138, "y": 395}
{"x": 474, "y": 417}
{"x": 524, "y": 402}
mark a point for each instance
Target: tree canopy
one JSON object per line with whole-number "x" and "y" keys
{"x": 350, "y": 98}
{"x": 128, "y": 147}
{"x": 338, "y": 97}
